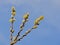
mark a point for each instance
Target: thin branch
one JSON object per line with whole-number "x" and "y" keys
{"x": 27, "y": 32}
{"x": 11, "y": 31}
{"x": 18, "y": 34}
{"x": 22, "y": 25}
{"x": 11, "y": 28}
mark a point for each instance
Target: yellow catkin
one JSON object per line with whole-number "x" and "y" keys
{"x": 41, "y": 17}
{"x": 35, "y": 26}
{"x": 12, "y": 31}
{"x": 13, "y": 11}
{"x": 12, "y": 20}
{"x": 26, "y": 16}
{"x": 23, "y": 21}
{"x": 36, "y": 22}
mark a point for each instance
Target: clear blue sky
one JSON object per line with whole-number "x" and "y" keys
{"x": 47, "y": 33}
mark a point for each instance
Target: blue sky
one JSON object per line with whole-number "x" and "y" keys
{"x": 47, "y": 33}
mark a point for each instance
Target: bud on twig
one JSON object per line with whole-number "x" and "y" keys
{"x": 34, "y": 27}
{"x": 12, "y": 20}
{"x": 36, "y": 22}
{"x": 12, "y": 31}
{"x": 26, "y": 16}
{"x": 13, "y": 11}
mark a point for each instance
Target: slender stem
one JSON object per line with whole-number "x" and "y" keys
{"x": 11, "y": 34}
{"x": 23, "y": 24}
{"x": 24, "y": 35}
{"x": 19, "y": 32}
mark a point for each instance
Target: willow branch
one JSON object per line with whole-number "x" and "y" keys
{"x": 21, "y": 29}
{"x": 11, "y": 31}
{"x": 26, "y": 33}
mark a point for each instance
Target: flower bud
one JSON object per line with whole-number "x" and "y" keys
{"x": 12, "y": 31}
{"x": 35, "y": 26}
{"x": 36, "y": 22}
{"x": 21, "y": 26}
{"x": 13, "y": 11}
{"x": 41, "y": 17}
{"x": 27, "y": 32}
{"x": 26, "y": 16}
{"x": 12, "y": 20}
{"x": 23, "y": 21}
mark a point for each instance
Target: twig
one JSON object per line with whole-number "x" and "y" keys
{"x": 18, "y": 34}
{"x": 27, "y": 32}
